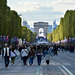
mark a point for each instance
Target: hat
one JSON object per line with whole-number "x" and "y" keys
{"x": 5, "y": 44}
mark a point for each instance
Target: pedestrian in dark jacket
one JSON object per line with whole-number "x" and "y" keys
{"x": 47, "y": 55}
{"x": 31, "y": 55}
{"x": 55, "y": 50}
{"x": 39, "y": 53}
{"x": 6, "y": 55}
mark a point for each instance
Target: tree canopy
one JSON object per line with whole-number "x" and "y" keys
{"x": 10, "y": 23}
{"x": 66, "y": 28}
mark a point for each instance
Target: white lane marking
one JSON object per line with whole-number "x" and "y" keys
{"x": 67, "y": 64}
{"x": 67, "y": 70}
{"x": 60, "y": 67}
{"x": 41, "y": 74}
{"x": 38, "y": 70}
{"x": 41, "y": 71}
{"x": 63, "y": 71}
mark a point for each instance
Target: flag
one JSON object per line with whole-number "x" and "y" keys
{"x": 4, "y": 38}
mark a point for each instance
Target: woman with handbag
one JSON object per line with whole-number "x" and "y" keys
{"x": 13, "y": 55}
{"x": 24, "y": 55}
{"x": 47, "y": 55}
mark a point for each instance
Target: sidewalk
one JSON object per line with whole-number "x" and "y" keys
{"x": 0, "y": 59}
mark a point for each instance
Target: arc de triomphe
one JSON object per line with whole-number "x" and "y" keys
{"x": 43, "y": 25}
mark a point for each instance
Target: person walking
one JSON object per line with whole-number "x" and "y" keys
{"x": 6, "y": 55}
{"x": 62, "y": 48}
{"x": 31, "y": 55}
{"x": 13, "y": 55}
{"x": 55, "y": 50}
{"x": 39, "y": 53}
{"x": 47, "y": 55}
{"x": 24, "y": 55}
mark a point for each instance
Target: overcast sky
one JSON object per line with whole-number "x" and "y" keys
{"x": 41, "y": 10}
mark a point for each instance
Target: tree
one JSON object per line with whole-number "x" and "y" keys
{"x": 66, "y": 27}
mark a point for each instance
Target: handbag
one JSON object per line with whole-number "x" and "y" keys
{"x": 15, "y": 54}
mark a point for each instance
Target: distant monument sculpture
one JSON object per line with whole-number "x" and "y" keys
{"x": 54, "y": 25}
{"x": 26, "y": 24}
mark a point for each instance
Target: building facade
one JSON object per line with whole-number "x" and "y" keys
{"x": 54, "y": 25}
{"x": 26, "y": 24}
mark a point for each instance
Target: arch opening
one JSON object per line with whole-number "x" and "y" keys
{"x": 41, "y": 32}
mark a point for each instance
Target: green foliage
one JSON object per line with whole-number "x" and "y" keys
{"x": 49, "y": 37}
{"x": 10, "y": 23}
{"x": 3, "y": 7}
{"x": 69, "y": 24}
{"x": 15, "y": 27}
{"x": 27, "y": 34}
{"x": 66, "y": 27}
{"x": 24, "y": 32}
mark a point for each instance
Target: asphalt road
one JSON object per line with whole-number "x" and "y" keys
{"x": 63, "y": 64}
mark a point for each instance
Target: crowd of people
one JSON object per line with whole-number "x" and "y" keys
{"x": 29, "y": 52}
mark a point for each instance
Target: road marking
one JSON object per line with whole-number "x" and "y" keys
{"x": 68, "y": 64}
{"x": 43, "y": 60}
{"x": 67, "y": 70}
{"x": 41, "y": 71}
{"x": 63, "y": 71}
{"x": 38, "y": 70}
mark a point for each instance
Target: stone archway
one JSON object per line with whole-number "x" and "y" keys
{"x": 43, "y": 25}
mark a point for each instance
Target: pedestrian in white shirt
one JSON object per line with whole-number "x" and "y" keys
{"x": 13, "y": 55}
{"x": 6, "y": 55}
{"x": 24, "y": 55}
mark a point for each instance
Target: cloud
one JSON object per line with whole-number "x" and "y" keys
{"x": 33, "y": 6}
{"x": 40, "y": 16}
{"x": 43, "y": 12}
{"x": 65, "y": 2}
{"x": 59, "y": 5}
{"x": 35, "y": 11}
{"x": 46, "y": 18}
{"x": 63, "y": 5}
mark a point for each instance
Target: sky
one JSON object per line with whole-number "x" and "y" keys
{"x": 41, "y": 10}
